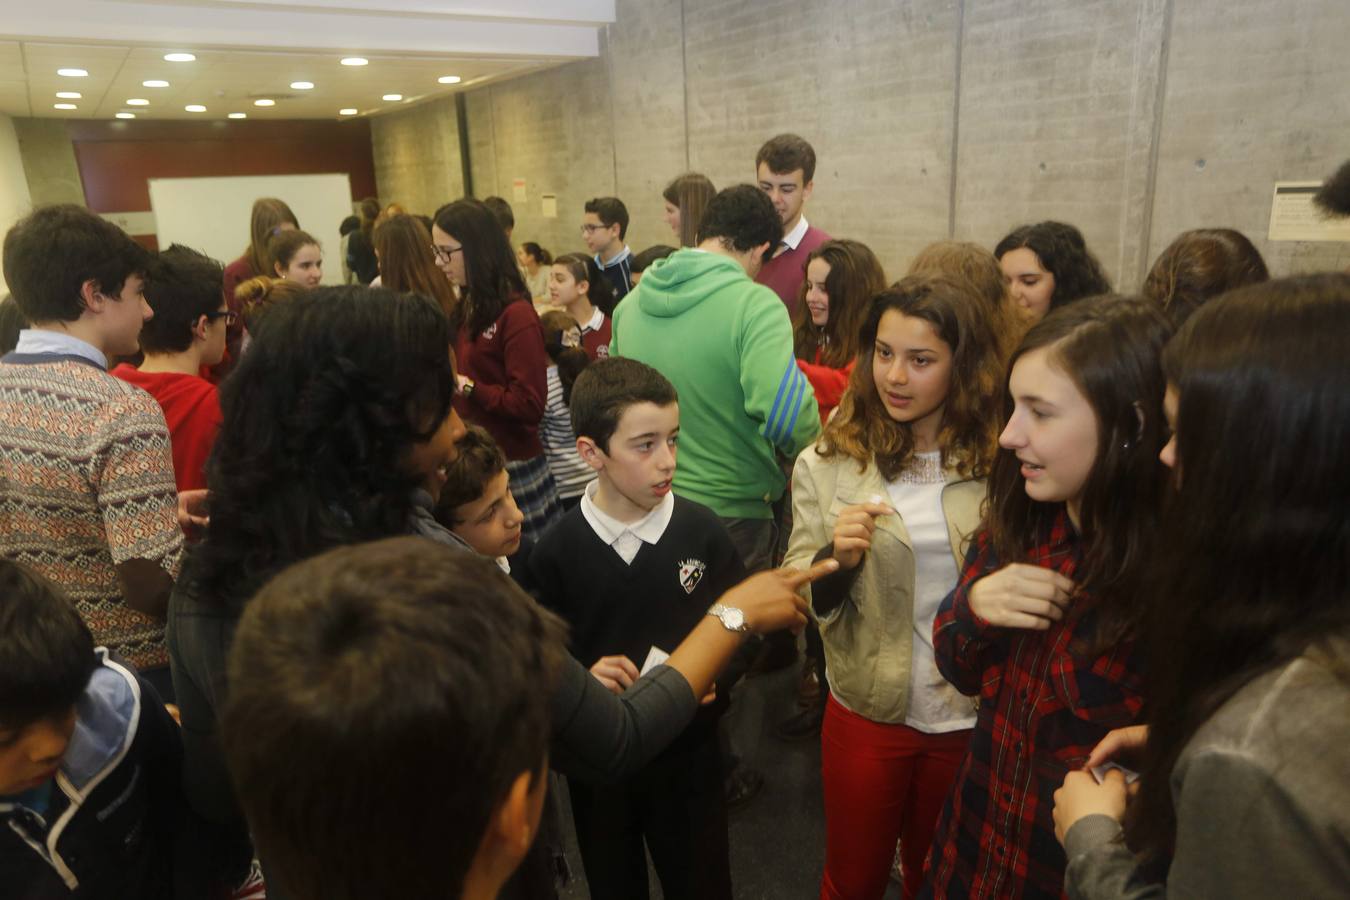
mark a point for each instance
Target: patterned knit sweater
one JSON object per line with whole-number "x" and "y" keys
{"x": 86, "y": 483}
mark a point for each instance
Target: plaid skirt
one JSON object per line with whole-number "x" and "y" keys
{"x": 535, "y": 493}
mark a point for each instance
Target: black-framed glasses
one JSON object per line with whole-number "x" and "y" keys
{"x": 443, "y": 254}
{"x": 229, "y": 315}
{"x": 589, "y": 228}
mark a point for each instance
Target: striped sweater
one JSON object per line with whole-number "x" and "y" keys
{"x": 570, "y": 471}
{"x": 86, "y": 483}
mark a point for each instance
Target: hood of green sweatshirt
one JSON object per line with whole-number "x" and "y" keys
{"x": 685, "y": 279}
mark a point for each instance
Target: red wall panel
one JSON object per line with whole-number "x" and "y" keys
{"x": 118, "y": 159}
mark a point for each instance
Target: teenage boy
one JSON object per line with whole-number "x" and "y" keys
{"x": 476, "y": 504}
{"x": 387, "y": 723}
{"x": 726, "y": 344}
{"x": 604, "y": 227}
{"x": 633, "y": 569}
{"x": 186, "y": 333}
{"x": 86, "y": 477}
{"x": 90, "y": 762}
{"x": 784, "y": 168}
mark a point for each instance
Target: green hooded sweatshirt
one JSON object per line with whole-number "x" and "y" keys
{"x": 726, "y": 344}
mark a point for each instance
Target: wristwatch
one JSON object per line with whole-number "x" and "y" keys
{"x": 732, "y": 619}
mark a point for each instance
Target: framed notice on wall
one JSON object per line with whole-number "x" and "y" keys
{"x": 1293, "y": 217}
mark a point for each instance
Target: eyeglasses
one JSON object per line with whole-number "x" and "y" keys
{"x": 443, "y": 254}
{"x": 588, "y": 228}
{"x": 230, "y": 316}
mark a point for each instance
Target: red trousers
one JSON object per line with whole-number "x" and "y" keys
{"x": 882, "y": 783}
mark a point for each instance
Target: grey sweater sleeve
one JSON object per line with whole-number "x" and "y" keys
{"x": 1240, "y": 834}
{"x": 600, "y": 736}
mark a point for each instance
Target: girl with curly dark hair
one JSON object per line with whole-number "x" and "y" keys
{"x": 1048, "y": 265}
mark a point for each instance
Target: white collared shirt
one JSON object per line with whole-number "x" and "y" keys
{"x": 38, "y": 340}
{"x": 615, "y": 259}
{"x": 626, "y": 538}
{"x": 794, "y": 237}
{"x": 597, "y": 319}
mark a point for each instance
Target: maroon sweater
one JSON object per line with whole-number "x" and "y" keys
{"x": 509, "y": 369}
{"x": 785, "y": 273}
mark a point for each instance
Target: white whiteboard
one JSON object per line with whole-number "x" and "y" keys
{"x": 212, "y": 214}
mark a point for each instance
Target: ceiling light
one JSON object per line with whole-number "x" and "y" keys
{"x": 348, "y": 111}
{"x": 195, "y": 107}
{"x": 72, "y": 73}
{"x": 392, "y": 97}
{"x": 65, "y": 106}
{"x": 238, "y": 115}
{"x": 449, "y": 79}
{"x": 302, "y": 85}
{"x": 355, "y": 61}
{"x": 125, "y": 115}
{"x": 264, "y": 102}
{"x": 138, "y": 101}
{"x": 179, "y": 57}
{"x": 154, "y": 82}
{"x": 69, "y": 95}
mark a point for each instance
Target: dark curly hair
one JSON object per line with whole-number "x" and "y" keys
{"x": 318, "y": 419}
{"x": 1333, "y": 197}
{"x": 1064, "y": 254}
{"x": 742, "y": 217}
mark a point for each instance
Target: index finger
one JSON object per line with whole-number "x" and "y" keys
{"x": 626, "y": 666}
{"x": 1050, "y": 576}
{"x": 795, "y": 578}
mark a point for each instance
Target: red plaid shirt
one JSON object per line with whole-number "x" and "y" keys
{"x": 1043, "y": 706}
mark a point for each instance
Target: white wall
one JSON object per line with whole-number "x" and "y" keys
{"x": 14, "y": 197}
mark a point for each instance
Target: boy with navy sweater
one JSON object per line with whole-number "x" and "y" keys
{"x": 633, "y": 569}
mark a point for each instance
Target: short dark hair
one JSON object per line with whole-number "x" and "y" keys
{"x": 785, "y": 154}
{"x": 743, "y": 217}
{"x": 502, "y": 210}
{"x": 607, "y": 387}
{"x": 644, "y": 259}
{"x": 1064, "y": 254}
{"x": 51, "y": 252}
{"x": 610, "y": 210}
{"x": 12, "y": 321}
{"x": 46, "y": 651}
{"x": 183, "y": 286}
{"x": 359, "y": 688}
{"x": 477, "y": 462}
{"x": 1333, "y": 197}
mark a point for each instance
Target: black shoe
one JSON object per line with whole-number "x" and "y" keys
{"x": 803, "y": 725}
{"x": 742, "y": 786}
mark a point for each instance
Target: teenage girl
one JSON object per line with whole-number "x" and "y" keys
{"x": 1201, "y": 264}
{"x": 269, "y": 218}
{"x": 499, "y": 347}
{"x": 892, "y": 491}
{"x": 1042, "y": 625}
{"x": 562, "y": 342}
{"x": 1048, "y": 265}
{"x": 296, "y": 256}
{"x": 576, "y": 286}
{"x": 407, "y": 262}
{"x": 1244, "y": 773}
{"x": 842, "y": 277}
{"x": 685, "y": 200}
{"x": 535, "y": 261}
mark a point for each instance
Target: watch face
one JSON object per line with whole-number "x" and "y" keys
{"x": 733, "y": 619}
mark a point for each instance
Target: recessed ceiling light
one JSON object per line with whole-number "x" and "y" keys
{"x": 348, "y": 111}
{"x": 138, "y": 101}
{"x": 264, "y": 102}
{"x": 354, "y": 61}
{"x": 154, "y": 82}
{"x": 125, "y": 115}
{"x": 392, "y": 97}
{"x": 195, "y": 107}
{"x": 179, "y": 57}
{"x": 65, "y": 106}
{"x": 449, "y": 79}
{"x": 69, "y": 95}
{"x": 72, "y": 73}
{"x": 238, "y": 115}
{"x": 302, "y": 85}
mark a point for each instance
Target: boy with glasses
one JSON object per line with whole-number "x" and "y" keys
{"x": 604, "y": 227}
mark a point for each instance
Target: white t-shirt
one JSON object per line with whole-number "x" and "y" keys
{"x": 934, "y": 705}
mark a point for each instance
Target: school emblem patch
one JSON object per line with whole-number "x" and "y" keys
{"x": 691, "y": 573}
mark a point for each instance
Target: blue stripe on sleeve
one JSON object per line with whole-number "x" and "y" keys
{"x": 775, "y": 413}
{"x": 794, "y": 409}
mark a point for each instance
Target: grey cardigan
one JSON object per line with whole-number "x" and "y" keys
{"x": 1262, "y": 796}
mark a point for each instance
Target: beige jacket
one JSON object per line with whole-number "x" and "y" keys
{"x": 867, "y": 637}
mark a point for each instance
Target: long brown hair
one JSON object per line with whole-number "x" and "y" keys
{"x": 978, "y": 269}
{"x": 1111, "y": 348}
{"x": 863, "y": 430}
{"x": 855, "y": 278}
{"x": 268, "y": 215}
{"x": 407, "y": 262}
{"x": 1201, "y": 264}
{"x": 690, "y": 193}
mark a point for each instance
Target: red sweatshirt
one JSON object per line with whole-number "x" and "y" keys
{"x": 191, "y": 409}
{"x": 828, "y": 383}
{"x": 509, "y": 369}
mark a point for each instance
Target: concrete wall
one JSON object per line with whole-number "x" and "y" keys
{"x": 1133, "y": 119}
{"x": 49, "y": 161}
{"x": 15, "y": 199}
{"x": 417, "y": 159}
